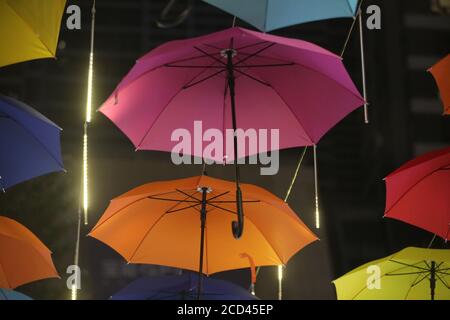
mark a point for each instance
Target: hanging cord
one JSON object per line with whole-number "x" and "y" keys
{"x": 234, "y": 22}
{"x": 164, "y": 22}
{"x": 358, "y": 18}
{"x": 431, "y": 242}
{"x": 350, "y": 32}
{"x": 294, "y": 177}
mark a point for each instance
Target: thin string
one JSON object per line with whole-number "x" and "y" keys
{"x": 355, "y": 18}
{"x": 431, "y": 242}
{"x": 294, "y": 178}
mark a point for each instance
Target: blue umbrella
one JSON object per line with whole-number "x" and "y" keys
{"x": 268, "y": 15}
{"x": 29, "y": 143}
{"x": 183, "y": 287}
{"x": 6, "y": 294}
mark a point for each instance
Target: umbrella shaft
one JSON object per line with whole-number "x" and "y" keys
{"x": 433, "y": 279}
{"x": 231, "y": 86}
{"x": 202, "y": 240}
{"x": 237, "y": 226}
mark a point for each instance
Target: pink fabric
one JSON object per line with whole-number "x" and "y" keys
{"x": 418, "y": 193}
{"x": 303, "y": 100}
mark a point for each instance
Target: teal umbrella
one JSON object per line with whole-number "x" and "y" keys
{"x": 6, "y": 294}
{"x": 268, "y": 15}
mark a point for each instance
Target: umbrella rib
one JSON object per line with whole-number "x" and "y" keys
{"x": 293, "y": 113}
{"x": 145, "y": 236}
{"x": 255, "y": 53}
{"x": 173, "y": 200}
{"x": 39, "y": 142}
{"x": 279, "y": 60}
{"x": 265, "y": 238}
{"x": 253, "y": 78}
{"x": 219, "y": 195}
{"x": 443, "y": 282}
{"x": 184, "y": 208}
{"x": 188, "y": 59}
{"x": 175, "y": 205}
{"x": 210, "y": 55}
{"x": 267, "y": 65}
{"x": 414, "y": 284}
{"x": 157, "y": 118}
{"x": 365, "y": 287}
{"x": 406, "y": 273}
{"x": 411, "y": 265}
{"x": 192, "y": 66}
{"x": 32, "y": 30}
{"x": 117, "y": 212}
{"x": 251, "y": 45}
{"x": 221, "y": 208}
{"x": 234, "y": 201}
{"x": 409, "y": 189}
{"x": 189, "y": 196}
{"x": 189, "y": 85}
{"x": 197, "y": 76}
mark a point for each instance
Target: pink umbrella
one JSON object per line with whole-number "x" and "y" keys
{"x": 231, "y": 79}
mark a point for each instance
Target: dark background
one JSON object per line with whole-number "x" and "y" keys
{"x": 405, "y": 115}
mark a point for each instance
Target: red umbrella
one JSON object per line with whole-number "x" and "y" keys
{"x": 418, "y": 193}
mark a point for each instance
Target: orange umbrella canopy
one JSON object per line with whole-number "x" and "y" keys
{"x": 23, "y": 257}
{"x": 441, "y": 73}
{"x": 159, "y": 223}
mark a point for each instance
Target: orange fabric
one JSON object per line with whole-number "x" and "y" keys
{"x": 23, "y": 257}
{"x": 141, "y": 230}
{"x": 441, "y": 72}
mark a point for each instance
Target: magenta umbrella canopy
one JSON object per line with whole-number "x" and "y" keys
{"x": 280, "y": 83}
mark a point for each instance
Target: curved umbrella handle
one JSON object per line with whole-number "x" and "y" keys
{"x": 164, "y": 22}
{"x": 238, "y": 226}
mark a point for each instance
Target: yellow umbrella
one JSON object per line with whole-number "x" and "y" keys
{"x": 29, "y": 29}
{"x": 410, "y": 274}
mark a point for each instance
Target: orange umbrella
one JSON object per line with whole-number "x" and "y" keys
{"x": 441, "y": 73}
{"x": 185, "y": 224}
{"x": 23, "y": 257}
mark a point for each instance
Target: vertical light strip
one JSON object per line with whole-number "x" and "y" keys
{"x": 316, "y": 189}
{"x": 74, "y": 292}
{"x": 280, "y": 282}
{"x": 88, "y": 120}
{"x": 89, "y": 89}
{"x": 85, "y": 175}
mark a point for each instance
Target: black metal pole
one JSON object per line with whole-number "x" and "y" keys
{"x": 236, "y": 226}
{"x": 202, "y": 240}
{"x": 433, "y": 279}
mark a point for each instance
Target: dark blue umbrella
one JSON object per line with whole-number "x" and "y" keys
{"x": 183, "y": 287}
{"x": 29, "y": 143}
